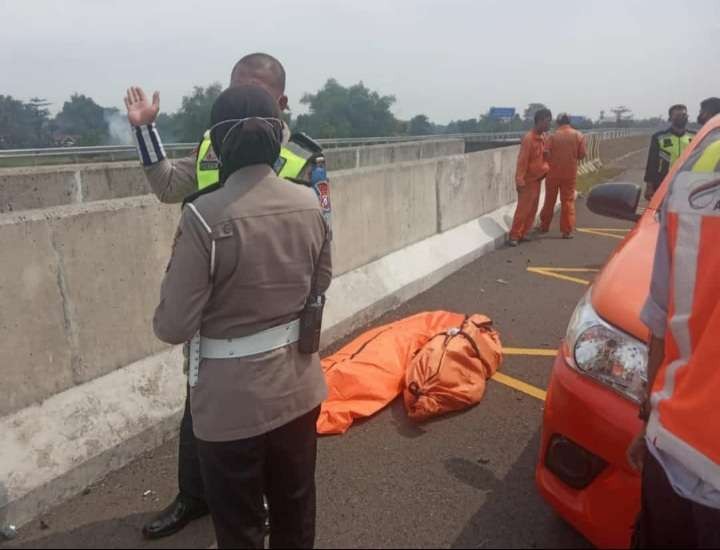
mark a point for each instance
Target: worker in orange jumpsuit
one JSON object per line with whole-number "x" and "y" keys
{"x": 532, "y": 167}
{"x": 565, "y": 148}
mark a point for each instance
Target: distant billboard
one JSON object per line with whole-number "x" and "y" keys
{"x": 501, "y": 113}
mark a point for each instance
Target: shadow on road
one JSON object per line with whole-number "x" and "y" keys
{"x": 122, "y": 533}
{"x": 509, "y": 498}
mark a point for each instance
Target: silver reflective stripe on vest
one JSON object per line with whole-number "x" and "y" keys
{"x": 684, "y": 274}
{"x": 244, "y": 346}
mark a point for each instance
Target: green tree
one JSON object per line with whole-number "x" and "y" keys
{"x": 420, "y": 125}
{"x": 467, "y": 126}
{"x": 516, "y": 124}
{"x": 21, "y": 124}
{"x": 84, "y": 119}
{"x": 193, "y": 117}
{"x": 337, "y": 112}
{"x": 167, "y": 126}
{"x": 40, "y": 120}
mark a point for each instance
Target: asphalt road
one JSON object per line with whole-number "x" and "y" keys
{"x": 464, "y": 481}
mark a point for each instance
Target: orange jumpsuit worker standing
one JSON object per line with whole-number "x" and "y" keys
{"x": 532, "y": 167}
{"x": 565, "y": 148}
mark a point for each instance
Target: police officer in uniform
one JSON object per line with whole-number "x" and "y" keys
{"x": 300, "y": 161}
{"x": 249, "y": 263}
{"x": 666, "y": 147}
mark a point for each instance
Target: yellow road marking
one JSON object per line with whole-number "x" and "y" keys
{"x": 530, "y": 351}
{"x": 557, "y": 273}
{"x": 520, "y": 386}
{"x": 604, "y": 232}
{"x": 608, "y": 229}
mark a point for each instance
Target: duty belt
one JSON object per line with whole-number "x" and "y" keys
{"x": 202, "y": 347}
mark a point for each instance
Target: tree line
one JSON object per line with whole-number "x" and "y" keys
{"x": 334, "y": 111}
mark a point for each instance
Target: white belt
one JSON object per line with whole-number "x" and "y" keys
{"x": 202, "y": 347}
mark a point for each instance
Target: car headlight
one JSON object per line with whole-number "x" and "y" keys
{"x": 605, "y": 353}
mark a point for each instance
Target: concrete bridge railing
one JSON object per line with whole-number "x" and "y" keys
{"x": 45, "y": 186}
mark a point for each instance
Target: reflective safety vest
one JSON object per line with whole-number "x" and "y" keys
{"x": 672, "y": 146}
{"x": 709, "y": 160}
{"x": 293, "y": 163}
{"x": 685, "y": 418}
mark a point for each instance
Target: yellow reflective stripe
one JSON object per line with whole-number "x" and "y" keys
{"x": 676, "y": 147}
{"x": 205, "y": 178}
{"x": 293, "y": 164}
{"x": 709, "y": 160}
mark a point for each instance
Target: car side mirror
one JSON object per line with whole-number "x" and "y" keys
{"x": 615, "y": 200}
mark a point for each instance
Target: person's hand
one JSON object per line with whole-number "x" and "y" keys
{"x": 519, "y": 185}
{"x": 637, "y": 451}
{"x": 139, "y": 110}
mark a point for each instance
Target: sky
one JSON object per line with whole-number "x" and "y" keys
{"x": 450, "y": 59}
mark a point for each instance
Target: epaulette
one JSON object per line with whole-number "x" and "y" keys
{"x": 201, "y": 192}
{"x": 306, "y": 142}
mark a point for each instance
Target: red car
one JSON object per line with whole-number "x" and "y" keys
{"x": 591, "y": 411}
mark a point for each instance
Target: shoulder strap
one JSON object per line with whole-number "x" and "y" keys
{"x": 306, "y": 142}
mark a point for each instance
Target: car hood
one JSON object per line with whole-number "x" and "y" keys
{"x": 621, "y": 289}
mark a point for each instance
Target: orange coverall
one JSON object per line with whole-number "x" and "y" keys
{"x": 565, "y": 148}
{"x": 531, "y": 169}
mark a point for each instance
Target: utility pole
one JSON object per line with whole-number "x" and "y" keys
{"x": 622, "y": 114}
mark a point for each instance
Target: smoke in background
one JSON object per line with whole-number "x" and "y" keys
{"x": 118, "y": 128}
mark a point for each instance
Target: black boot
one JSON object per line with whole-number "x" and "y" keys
{"x": 172, "y": 519}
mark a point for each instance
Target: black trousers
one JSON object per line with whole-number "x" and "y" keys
{"x": 280, "y": 465}
{"x": 190, "y": 481}
{"x": 668, "y": 520}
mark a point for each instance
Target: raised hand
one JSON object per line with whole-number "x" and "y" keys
{"x": 139, "y": 110}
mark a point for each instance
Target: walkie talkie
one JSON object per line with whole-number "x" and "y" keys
{"x": 311, "y": 325}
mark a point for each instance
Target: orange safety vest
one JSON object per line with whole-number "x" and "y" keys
{"x": 685, "y": 417}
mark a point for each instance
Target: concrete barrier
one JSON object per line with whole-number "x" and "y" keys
{"x": 43, "y": 187}
{"x": 382, "y": 210}
{"x": 77, "y": 295}
{"x": 86, "y": 385}
{"x": 475, "y": 184}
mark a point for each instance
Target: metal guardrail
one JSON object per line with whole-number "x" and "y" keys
{"x": 116, "y": 152}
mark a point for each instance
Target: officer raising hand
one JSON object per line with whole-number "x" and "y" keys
{"x": 172, "y": 181}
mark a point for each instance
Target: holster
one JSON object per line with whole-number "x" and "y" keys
{"x": 311, "y": 325}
